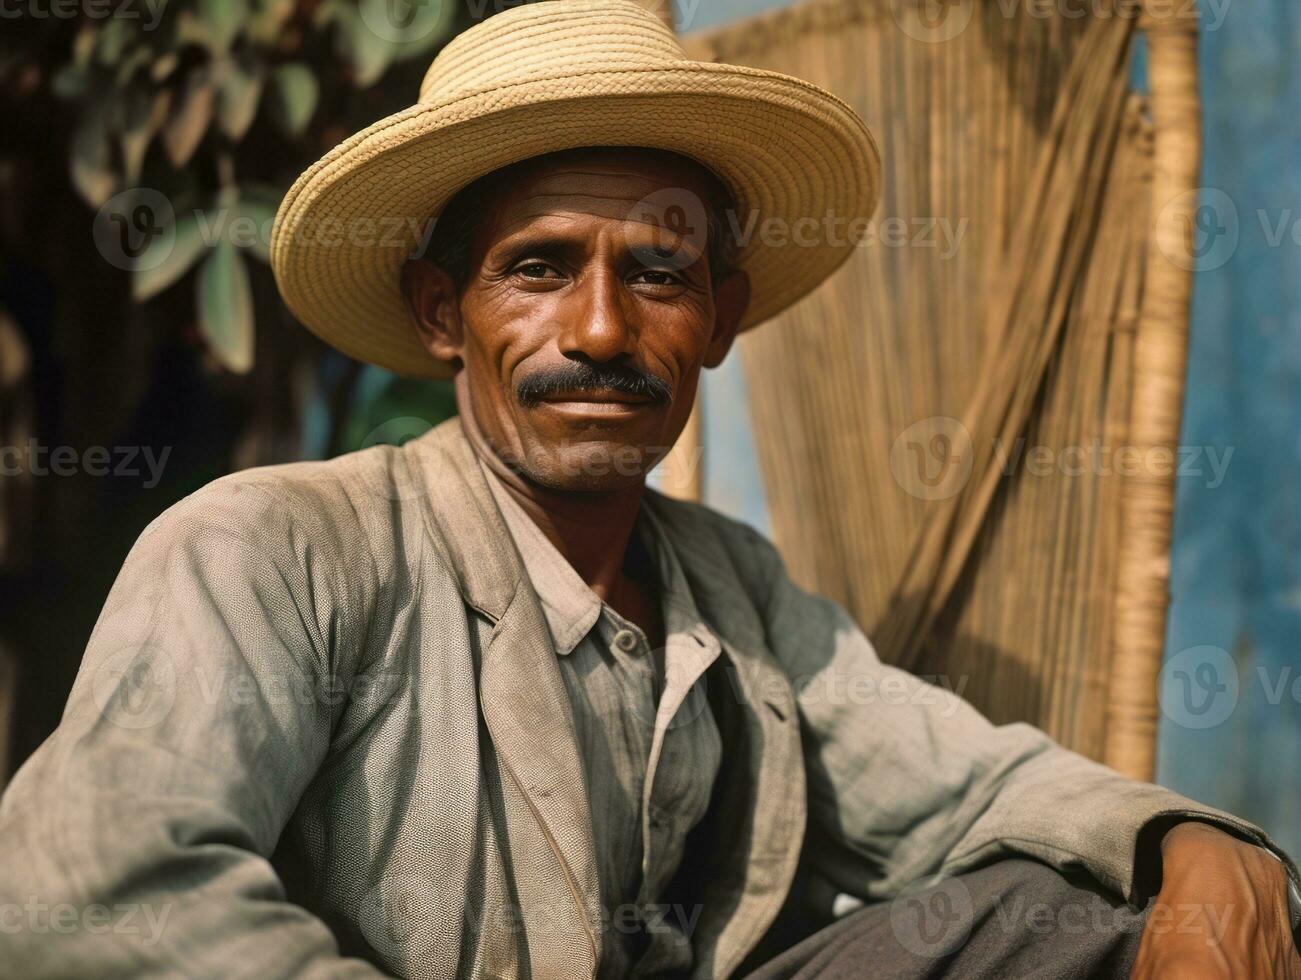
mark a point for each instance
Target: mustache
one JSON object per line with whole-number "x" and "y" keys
{"x": 584, "y": 376}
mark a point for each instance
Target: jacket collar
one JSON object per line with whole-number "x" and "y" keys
{"x": 548, "y": 816}
{"x": 569, "y": 604}
{"x": 443, "y": 470}
{"x": 548, "y": 819}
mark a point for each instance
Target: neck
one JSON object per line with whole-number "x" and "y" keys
{"x": 591, "y": 529}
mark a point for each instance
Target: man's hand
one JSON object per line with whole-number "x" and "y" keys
{"x": 1222, "y": 911}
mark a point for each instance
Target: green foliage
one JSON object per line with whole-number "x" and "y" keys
{"x": 183, "y": 100}
{"x": 226, "y": 307}
{"x": 390, "y": 410}
{"x": 296, "y": 94}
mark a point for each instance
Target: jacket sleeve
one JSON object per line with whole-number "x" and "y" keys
{"x": 906, "y": 780}
{"x": 136, "y": 839}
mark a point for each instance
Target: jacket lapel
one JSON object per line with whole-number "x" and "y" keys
{"x": 526, "y": 708}
{"x": 759, "y": 804}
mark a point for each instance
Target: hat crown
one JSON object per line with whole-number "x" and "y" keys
{"x": 548, "y": 39}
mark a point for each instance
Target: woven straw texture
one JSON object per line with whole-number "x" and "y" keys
{"x": 1010, "y": 299}
{"x": 546, "y": 77}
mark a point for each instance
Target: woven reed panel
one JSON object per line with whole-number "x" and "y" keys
{"x": 991, "y": 310}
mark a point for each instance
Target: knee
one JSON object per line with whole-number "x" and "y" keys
{"x": 1034, "y": 898}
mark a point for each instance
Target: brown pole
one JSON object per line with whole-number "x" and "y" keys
{"x": 1160, "y": 362}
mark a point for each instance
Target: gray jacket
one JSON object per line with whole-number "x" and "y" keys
{"x": 319, "y": 730}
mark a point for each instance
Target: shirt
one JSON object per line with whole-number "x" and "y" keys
{"x": 315, "y": 734}
{"x": 649, "y": 744}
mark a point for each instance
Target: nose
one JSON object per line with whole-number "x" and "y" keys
{"x": 596, "y": 326}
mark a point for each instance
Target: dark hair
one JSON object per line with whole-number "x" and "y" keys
{"x": 453, "y": 231}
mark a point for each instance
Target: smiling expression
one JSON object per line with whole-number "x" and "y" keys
{"x": 584, "y": 314}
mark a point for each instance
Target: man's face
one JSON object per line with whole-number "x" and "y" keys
{"x": 586, "y": 315}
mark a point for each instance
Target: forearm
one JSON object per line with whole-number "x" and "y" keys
{"x": 907, "y": 779}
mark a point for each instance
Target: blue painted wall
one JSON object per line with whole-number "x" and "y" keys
{"x": 1236, "y": 618}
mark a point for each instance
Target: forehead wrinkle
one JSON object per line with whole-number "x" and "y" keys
{"x": 571, "y": 206}
{"x": 517, "y": 224}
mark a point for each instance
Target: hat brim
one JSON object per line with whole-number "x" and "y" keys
{"x": 802, "y": 166}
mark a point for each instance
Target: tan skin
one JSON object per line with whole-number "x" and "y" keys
{"x": 1221, "y": 912}
{"x": 559, "y": 274}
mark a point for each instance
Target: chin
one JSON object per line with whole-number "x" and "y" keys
{"x": 595, "y": 465}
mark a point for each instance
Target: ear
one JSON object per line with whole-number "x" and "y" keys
{"x": 731, "y": 300}
{"x": 431, "y": 296}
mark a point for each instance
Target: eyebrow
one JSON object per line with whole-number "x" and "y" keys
{"x": 560, "y": 249}
{"x": 544, "y": 246}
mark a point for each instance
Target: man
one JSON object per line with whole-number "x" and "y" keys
{"x": 485, "y": 705}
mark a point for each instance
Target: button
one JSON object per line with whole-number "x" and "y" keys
{"x": 626, "y": 640}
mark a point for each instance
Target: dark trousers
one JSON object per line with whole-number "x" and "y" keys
{"x": 1009, "y": 920}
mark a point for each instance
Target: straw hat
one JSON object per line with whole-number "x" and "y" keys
{"x": 799, "y": 163}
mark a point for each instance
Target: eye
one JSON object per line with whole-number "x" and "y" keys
{"x": 658, "y": 277}
{"x": 534, "y": 270}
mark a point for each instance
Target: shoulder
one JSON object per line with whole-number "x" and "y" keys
{"x": 337, "y": 511}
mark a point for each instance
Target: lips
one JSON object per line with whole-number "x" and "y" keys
{"x": 602, "y": 396}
